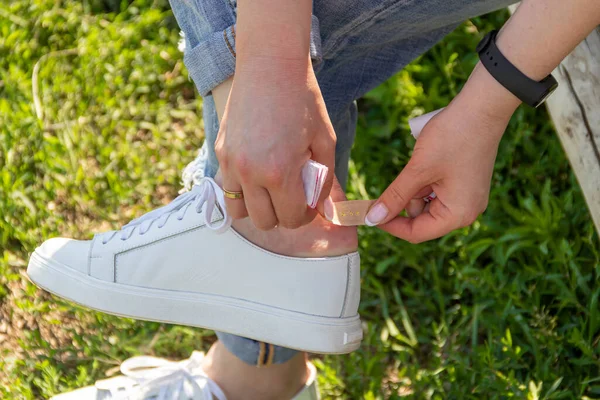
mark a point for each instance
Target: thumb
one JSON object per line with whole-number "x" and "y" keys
{"x": 396, "y": 197}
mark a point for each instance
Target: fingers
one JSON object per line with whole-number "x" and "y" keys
{"x": 427, "y": 207}
{"x": 437, "y": 222}
{"x": 415, "y": 207}
{"x": 236, "y": 208}
{"x": 398, "y": 195}
{"x": 260, "y": 208}
{"x": 278, "y": 198}
{"x": 420, "y": 204}
{"x": 289, "y": 202}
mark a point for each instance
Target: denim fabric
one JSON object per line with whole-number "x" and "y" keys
{"x": 209, "y": 27}
{"x": 254, "y": 352}
{"x": 355, "y": 46}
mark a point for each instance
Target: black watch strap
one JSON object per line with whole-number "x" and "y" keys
{"x": 526, "y": 89}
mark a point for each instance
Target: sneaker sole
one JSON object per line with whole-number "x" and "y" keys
{"x": 260, "y": 322}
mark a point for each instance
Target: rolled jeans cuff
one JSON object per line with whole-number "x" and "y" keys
{"x": 253, "y": 352}
{"x": 212, "y": 60}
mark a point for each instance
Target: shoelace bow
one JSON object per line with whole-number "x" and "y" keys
{"x": 146, "y": 377}
{"x": 206, "y": 191}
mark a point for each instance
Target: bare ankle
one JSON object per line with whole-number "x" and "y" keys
{"x": 318, "y": 239}
{"x": 242, "y": 381}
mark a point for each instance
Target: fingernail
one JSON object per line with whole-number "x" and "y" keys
{"x": 376, "y": 214}
{"x": 328, "y": 209}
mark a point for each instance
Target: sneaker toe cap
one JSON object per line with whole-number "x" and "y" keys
{"x": 68, "y": 252}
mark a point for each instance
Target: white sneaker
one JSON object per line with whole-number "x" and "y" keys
{"x": 151, "y": 378}
{"x": 184, "y": 264}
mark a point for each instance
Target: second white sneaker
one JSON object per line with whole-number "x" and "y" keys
{"x": 151, "y": 378}
{"x": 184, "y": 264}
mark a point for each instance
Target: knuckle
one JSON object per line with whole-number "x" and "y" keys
{"x": 396, "y": 194}
{"x": 274, "y": 176}
{"x": 221, "y": 155}
{"x": 242, "y": 165}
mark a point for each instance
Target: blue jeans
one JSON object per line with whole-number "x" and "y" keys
{"x": 355, "y": 46}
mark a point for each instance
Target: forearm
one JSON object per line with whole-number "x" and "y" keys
{"x": 272, "y": 35}
{"x": 535, "y": 39}
{"x": 275, "y": 33}
{"x": 220, "y": 96}
{"x": 543, "y": 32}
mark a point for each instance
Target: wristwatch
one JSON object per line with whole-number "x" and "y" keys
{"x": 526, "y": 89}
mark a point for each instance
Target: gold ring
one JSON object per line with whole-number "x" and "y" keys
{"x": 233, "y": 195}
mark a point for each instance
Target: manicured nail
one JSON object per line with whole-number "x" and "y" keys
{"x": 328, "y": 208}
{"x": 376, "y": 214}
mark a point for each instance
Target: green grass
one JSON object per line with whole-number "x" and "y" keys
{"x": 507, "y": 308}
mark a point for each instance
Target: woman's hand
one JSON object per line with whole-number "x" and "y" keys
{"x": 454, "y": 157}
{"x": 275, "y": 120}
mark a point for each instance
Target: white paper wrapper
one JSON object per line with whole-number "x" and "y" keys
{"x": 313, "y": 176}
{"x": 417, "y": 124}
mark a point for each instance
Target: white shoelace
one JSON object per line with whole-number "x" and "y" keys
{"x": 206, "y": 191}
{"x": 146, "y": 377}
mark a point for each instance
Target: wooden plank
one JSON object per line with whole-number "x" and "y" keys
{"x": 575, "y": 112}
